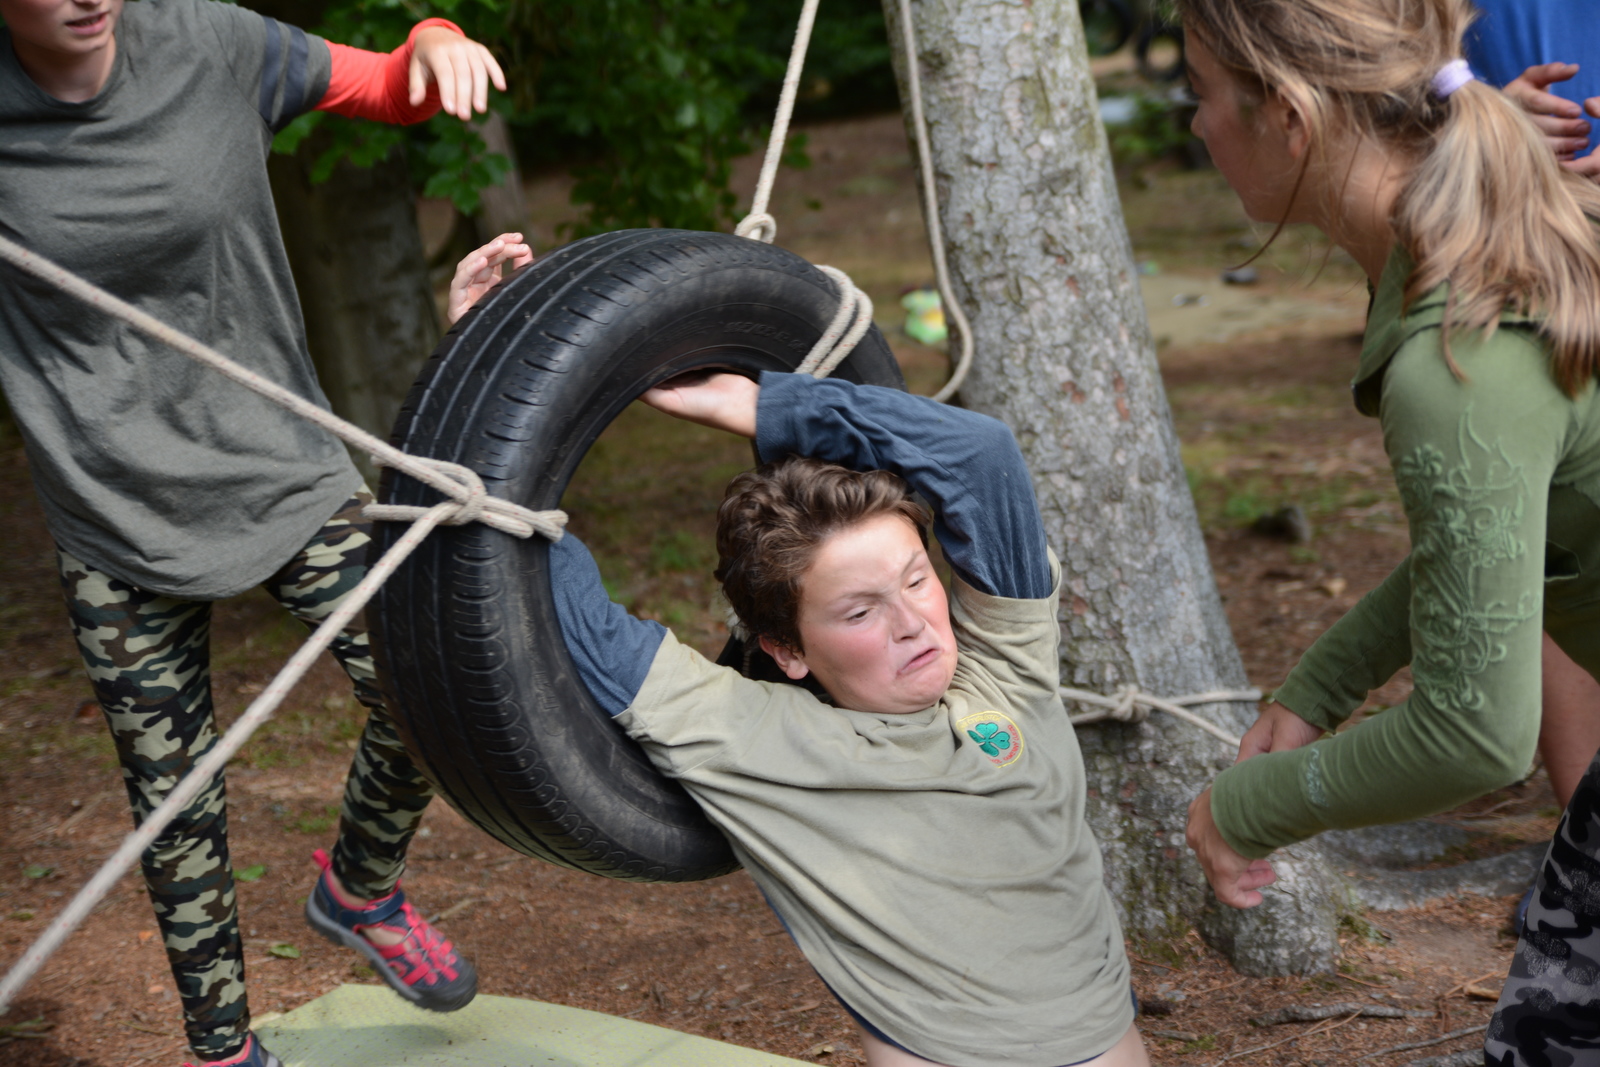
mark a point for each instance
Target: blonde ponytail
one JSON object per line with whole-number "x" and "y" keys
{"x": 1487, "y": 208}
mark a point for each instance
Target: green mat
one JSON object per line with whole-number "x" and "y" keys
{"x": 368, "y": 1026}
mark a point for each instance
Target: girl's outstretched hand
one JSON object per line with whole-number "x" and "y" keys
{"x": 1277, "y": 729}
{"x": 721, "y": 401}
{"x": 1236, "y": 880}
{"x": 462, "y": 69}
{"x": 480, "y": 271}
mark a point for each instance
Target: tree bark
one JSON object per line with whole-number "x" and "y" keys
{"x": 504, "y": 208}
{"x": 363, "y": 281}
{"x": 1042, "y": 263}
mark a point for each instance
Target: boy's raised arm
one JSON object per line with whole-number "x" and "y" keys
{"x": 966, "y": 465}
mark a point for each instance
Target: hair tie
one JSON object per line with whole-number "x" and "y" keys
{"x": 1452, "y": 76}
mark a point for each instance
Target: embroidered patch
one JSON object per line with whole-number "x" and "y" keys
{"x": 996, "y": 736}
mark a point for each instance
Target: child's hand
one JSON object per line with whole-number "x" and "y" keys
{"x": 1236, "y": 880}
{"x": 1561, "y": 121}
{"x": 1277, "y": 729}
{"x": 479, "y": 272}
{"x": 721, "y": 401}
{"x": 462, "y": 69}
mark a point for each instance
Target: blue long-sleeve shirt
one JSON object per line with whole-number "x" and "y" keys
{"x": 966, "y": 465}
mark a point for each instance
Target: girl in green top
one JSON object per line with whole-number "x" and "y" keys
{"x": 1358, "y": 116}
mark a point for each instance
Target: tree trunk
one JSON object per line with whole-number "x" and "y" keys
{"x": 363, "y": 281}
{"x": 504, "y": 208}
{"x": 1042, "y": 263}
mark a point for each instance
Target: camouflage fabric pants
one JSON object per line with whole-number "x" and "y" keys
{"x": 148, "y": 657}
{"x": 1549, "y": 1010}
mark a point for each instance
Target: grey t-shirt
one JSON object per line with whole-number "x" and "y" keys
{"x": 935, "y": 868}
{"x": 151, "y": 467}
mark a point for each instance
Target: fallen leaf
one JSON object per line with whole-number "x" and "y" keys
{"x": 22, "y": 915}
{"x": 819, "y": 1050}
{"x": 284, "y": 951}
{"x": 157, "y": 988}
{"x": 252, "y": 873}
{"x": 33, "y": 870}
{"x": 145, "y": 935}
{"x": 1334, "y": 586}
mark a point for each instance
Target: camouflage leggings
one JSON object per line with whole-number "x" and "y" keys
{"x": 1549, "y": 1010}
{"x": 149, "y": 660}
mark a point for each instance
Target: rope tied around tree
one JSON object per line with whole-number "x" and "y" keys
{"x": 1130, "y": 704}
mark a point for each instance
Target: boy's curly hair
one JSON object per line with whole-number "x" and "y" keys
{"x": 772, "y": 521}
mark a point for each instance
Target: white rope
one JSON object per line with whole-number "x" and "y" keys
{"x": 1132, "y": 704}
{"x": 468, "y": 502}
{"x": 954, "y": 315}
{"x": 759, "y": 225}
{"x": 854, "y": 316}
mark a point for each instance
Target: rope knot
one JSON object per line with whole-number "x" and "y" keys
{"x": 471, "y": 501}
{"x": 1129, "y": 707}
{"x": 758, "y": 226}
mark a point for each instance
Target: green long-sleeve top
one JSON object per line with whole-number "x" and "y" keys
{"x": 1499, "y": 473}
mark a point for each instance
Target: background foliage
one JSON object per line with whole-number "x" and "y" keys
{"x": 644, "y": 101}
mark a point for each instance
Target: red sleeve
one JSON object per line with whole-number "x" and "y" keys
{"x": 371, "y": 85}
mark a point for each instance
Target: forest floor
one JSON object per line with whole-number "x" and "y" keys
{"x": 1257, "y": 379}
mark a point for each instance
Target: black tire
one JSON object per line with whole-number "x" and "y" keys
{"x": 1107, "y": 25}
{"x": 465, "y": 633}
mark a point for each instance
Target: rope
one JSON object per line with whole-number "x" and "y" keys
{"x": 854, "y": 316}
{"x": 954, "y": 315}
{"x": 1132, "y": 704}
{"x": 468, "y": 501}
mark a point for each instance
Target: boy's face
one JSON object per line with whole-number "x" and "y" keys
{"x": 874, "y": 620}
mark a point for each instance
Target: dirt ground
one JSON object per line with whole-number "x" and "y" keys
{"x": 1265, "y": 422}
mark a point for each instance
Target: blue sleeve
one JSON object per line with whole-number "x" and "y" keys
{"x": 968, "y": 466}
{"x": 611, "y": 649}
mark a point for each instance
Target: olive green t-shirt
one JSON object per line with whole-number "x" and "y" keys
{"x": 935, "y": 868}
{"x": 149, "y": 466}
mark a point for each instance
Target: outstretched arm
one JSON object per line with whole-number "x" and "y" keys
{"x": 436, "y": 67}
{"x": 966, "y": 465}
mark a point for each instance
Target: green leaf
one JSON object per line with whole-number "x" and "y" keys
{"x": 33, "y": 870}
{"x": 290, "y": 137}
{"x": 22, "y": 915}
{"x": 284, "y": 951}
{"x": 252, "y": 873}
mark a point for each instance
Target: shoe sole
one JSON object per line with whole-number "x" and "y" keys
{"x": 324, "y": 925}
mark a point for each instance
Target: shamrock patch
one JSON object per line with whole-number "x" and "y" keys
{"x": 996, "y": 736}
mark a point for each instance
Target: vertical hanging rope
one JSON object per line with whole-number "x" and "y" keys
{"x": 855, "y": 307}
